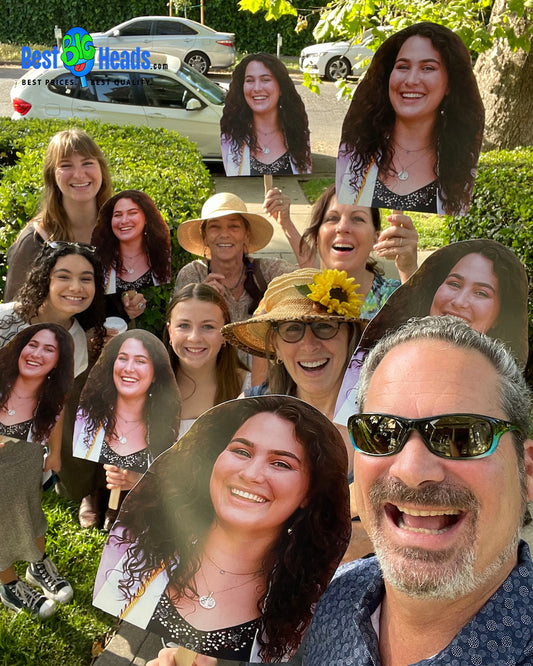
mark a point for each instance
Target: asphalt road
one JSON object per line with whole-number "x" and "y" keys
{"x": 325, "y": 112}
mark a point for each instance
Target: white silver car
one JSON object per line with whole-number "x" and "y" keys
{"x": 336, "y": 60}
{"x": 170, "y": 94}
{"x": 197, "y": 45}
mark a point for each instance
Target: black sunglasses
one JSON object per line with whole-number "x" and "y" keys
{"x": 452, "y": 436}
{"x": 56, "y": 245}
{"x": 294, "y": 331}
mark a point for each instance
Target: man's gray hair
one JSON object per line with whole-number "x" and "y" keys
{"x": 515, "y": 397}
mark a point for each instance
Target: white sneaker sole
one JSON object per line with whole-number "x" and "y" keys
{"x": 62, "y": 597}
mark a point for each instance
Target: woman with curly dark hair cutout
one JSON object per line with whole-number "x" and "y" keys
{"x": 232, "y": 536}
{"x": 64, "y": 286}
{"x": 412, "y": 135}
{"x": 264, "y": 126}
{"x": 36, "y": 373}
{"x": 133, "y": 242}
{"x": 129, "y": 410}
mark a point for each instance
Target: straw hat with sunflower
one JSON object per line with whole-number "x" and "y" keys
{"x": 304, "y": 295}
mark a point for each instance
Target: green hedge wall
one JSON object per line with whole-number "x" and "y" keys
{"x": 29, "y": 22}
{"x": 161, "y": 163}
{"x": 502, "y": 209}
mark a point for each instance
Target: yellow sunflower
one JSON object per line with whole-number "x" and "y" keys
{"x": 335, "y": 290}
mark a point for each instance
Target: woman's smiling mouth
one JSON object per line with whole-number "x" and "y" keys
{"x": 247, "y": 496}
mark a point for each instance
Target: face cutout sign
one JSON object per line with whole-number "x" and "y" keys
{"x": 264, "y": 126}
{"x": 245, "y": 473}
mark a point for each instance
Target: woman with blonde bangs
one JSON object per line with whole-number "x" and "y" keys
{"x": 76, "y": 184}
{"x": 208, "y": 370}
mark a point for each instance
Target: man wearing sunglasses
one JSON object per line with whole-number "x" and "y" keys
{"x": 443, "y": 472}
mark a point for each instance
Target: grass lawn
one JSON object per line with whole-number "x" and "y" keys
{"x": 430, "y": 227}
{"x": 68, "y": 637}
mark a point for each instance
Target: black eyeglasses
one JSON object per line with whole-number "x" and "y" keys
{"x": 452, "y": 436}
{"x": 294, "y": 331}
{"x": 56, "y": 245}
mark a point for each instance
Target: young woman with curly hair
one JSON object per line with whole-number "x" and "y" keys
{"x": 208, "y": 371}
{"x": 133, "y": 242}
{"x": 233, "y": 534}
{"x": 129, "y": 409}
{"x": 36, "y": 372}
{"x": 412, "y": 135}
{"x": 76, "y": 184}
{"x": 264, "y": 126}
{"x": 64, "y": 286}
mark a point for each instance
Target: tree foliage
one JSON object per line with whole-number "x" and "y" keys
{"x": 470, "y": 19}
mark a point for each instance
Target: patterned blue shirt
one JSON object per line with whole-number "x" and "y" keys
{"x": 501, "y": 634}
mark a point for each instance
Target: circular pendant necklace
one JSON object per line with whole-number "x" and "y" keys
{"x": 208, "y": 602}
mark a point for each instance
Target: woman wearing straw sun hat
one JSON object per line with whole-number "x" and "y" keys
{"x": 225, "y": 235}
{"x": 308, "y": 331}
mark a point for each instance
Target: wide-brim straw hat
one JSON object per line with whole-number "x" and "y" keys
{"x": 282, "y": 302}
{"x": 224, "y": 203}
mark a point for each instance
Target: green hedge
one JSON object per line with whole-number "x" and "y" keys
{"x": 161, "y": 163}
{"x": 502, "y": 209}
{"x": 30, "y": 22}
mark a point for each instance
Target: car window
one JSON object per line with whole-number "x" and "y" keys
{"x": 165, "y": 92}
{"x": 173, "y": 28}
{"x": 215, "y": 94}
{"x": 65, "y": 85}
{"x": 112, "y": 87}
{"x": 136, "y": 29}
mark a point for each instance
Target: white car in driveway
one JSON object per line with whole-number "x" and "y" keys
{"x": 170, "y": 94}
{"x": 336, "y": 60}
{"x": 197, "y": 45}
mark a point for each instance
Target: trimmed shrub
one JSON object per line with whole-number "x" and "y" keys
{"x": 502, "y": 209}
{"x": 161, "y": 163}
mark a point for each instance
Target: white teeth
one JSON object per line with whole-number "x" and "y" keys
{"x": 246, "y": 495}
{"x": 128, "y": 380}
{"x": 342, "y": 248}
{"x": 80, "y": 184}
{"x": 419, "y": 512}
{"x": 224, "y": 244}
{"x": 313, "y": 364}
{"x": 412, "y": 95}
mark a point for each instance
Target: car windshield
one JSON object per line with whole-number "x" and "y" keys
{"x": 211, "y": 91}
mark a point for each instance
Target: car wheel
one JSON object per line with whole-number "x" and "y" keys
{"x": 337, "y": 68}
{"x": 198, "y": 61}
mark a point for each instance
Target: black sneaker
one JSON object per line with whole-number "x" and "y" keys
{"x": 20, "y": 596}
{"x": 45, "y": 575}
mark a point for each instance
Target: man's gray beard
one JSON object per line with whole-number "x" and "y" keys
{"x": 426, "y": 574}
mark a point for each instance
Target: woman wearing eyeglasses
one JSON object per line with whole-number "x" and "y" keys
{"x": 76, "y": 184}
{"x": 308, "y": 332}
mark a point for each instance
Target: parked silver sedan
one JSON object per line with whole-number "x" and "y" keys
{"x": 197, "y": 45}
